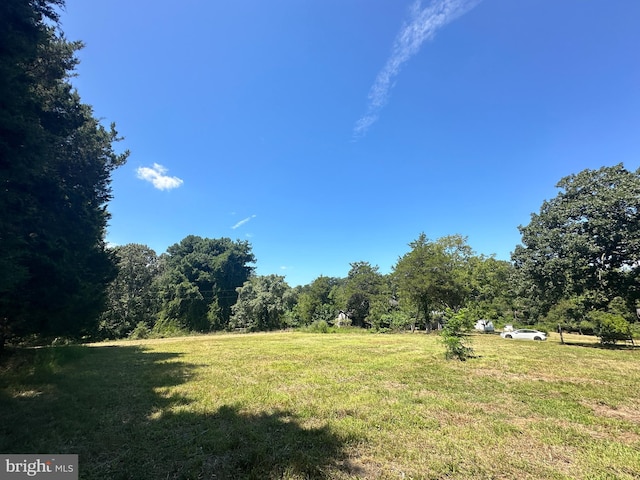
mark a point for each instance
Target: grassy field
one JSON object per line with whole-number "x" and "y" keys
{"x": 343, "y": 406}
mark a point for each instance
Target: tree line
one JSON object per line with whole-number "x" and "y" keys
{"x": 204, "y": 285}
{"x": 578, "y": 265}
{"x": 577, "y": 268}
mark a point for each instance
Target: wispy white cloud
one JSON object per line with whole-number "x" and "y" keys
{"x": 156, "y": 175}
{"x": 423, "y": 24}
{"x": 243, "y": 221}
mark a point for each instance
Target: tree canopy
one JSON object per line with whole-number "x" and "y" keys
{"x": 132, "y": 295}
{"x": 579, "y": 259}
{"x": 584, "y": 243}
{"x": 200, "y": 281}
{"x": 366, "y": 293}
{"x": 56, "y": 161}
{"x": 434, "y": 275}
{"x": 262, "y": 303}
{"x": 316, "y": 300}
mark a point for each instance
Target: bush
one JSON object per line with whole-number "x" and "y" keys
{"x": 168, "y": 328}
{"x": 400, "y": 321}
{"x": 141, "y": 331}
{"x": 456, "y": 346}
{"x": 291, "y": 320}
{"x": 454, "y": 335}
{"x": 618, "y": 306}
{"x": 319, "y": 326}
{"x": 635, "y": 330}
{"x": 610, "y": 327}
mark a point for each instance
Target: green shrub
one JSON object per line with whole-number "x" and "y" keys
{"x": 141, "y": 331}
{"x": 456, "y": 346}
{"x": 168, "y": 328}
{"x": 635, "y": 329}
{"x": 454, "y": 335}
{"x": 319, "y": 326}
{"x": 400, "y": 321}
{"x": 610, "y": 327}
{"x": 618, "y": 306}
{"x": 586, "y": 327}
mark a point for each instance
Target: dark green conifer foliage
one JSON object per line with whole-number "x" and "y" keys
{"x": 56, "y": 161}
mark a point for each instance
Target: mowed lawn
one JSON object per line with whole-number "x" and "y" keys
{"x": 343, "y": 406}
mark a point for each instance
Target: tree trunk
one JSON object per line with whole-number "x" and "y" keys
{"x": 3, "y": 334}
{"x": 560, "y": 332}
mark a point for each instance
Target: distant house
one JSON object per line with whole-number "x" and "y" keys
{"x": 485, "y": 326}
{"x": 343, "y": 319}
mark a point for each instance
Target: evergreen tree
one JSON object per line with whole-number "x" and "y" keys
{"x": 56, "y": 161}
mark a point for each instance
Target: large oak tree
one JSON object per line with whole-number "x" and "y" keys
{"x": 584, "y": 243}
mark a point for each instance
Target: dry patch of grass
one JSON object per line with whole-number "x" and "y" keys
{"x": 294, "y": 406}
{"x": 629, "y": 413}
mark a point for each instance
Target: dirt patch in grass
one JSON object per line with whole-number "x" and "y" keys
{"x": 359, "y": 468}
{"x": 625, "y": 413}
{"x": 537, "y": 376}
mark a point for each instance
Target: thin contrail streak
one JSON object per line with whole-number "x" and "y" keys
{"x": 423, "y": 24}
{"x": 242, "y": 222}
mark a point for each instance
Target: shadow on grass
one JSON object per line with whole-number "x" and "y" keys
{"x": 603, "y": 346}
{"x": 113, "y": 407}
{"x": 231, "y": 444}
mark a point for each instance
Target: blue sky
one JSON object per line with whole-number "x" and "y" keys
{"x": 326, "y": 132}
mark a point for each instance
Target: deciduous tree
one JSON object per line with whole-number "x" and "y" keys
{"x": 585, "y": 241}
{"x": 492, "y": 295}
{"x": 199, "y": 284}
{"x": 132, "y": 297}
{"x": 364, "y": 294}
{"x": 262, "y": 303}
{"x": 434, "y": 276}
{"x": 316, "y": 300}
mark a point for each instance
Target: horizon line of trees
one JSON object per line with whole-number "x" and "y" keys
{"x": 205, "y": 285}
{"x": 578, "y": 267}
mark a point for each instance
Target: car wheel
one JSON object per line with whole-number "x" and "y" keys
{"x": 537, "y": 338}
{"x": 508, "y": 336}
